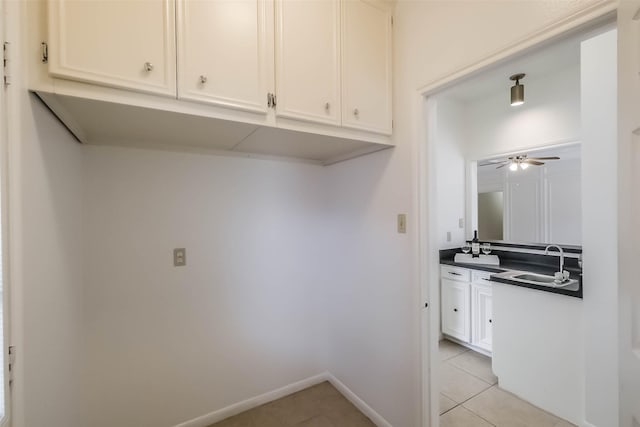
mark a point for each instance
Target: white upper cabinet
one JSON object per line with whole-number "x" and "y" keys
{"x": 225, "y": 52}
{"x": 366, "y": 66}
{"x": 123, "y": 44}
{"x": 308, "y": 60}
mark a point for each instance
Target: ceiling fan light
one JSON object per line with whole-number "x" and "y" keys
{"x": 513, "y": 166}
{"x": 523, "y": 165}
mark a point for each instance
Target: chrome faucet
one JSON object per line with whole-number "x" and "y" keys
{"x": 563, "y": 274}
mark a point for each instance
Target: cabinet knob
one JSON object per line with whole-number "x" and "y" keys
{"x": 455, "y": 309}
{"x": 148, "y": 66}
{"x": 490, "y": 321}
{"x": 203, "y": 79}
{"x": 356, "y": 113}
{"x": 327, "y": 107}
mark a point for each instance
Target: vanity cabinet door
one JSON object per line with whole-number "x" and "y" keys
{"x": 456, "y": 315}
{"x": 122, "y": 44}
{"x": 482, "y": 321}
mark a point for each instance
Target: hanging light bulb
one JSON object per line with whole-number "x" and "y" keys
{"x": 517, "y": 90}
{"x": 524, "y": 165}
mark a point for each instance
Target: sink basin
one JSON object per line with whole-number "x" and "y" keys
{"x": 535, "y": 278}
{"x": 527, "y": 278}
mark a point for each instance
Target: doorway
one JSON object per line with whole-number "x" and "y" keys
{"x": 458, "y": 227}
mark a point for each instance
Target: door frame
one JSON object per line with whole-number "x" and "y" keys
{"x": 4, "y": 230}
{"x": 425, "y": 109}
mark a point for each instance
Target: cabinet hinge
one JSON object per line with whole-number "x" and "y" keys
{"x": 269, "y": 100}
{"x": 45, "y": 52}
{"x": 12, "y": 362}
{"x": 274, "y": 101}
{"x": 392, "y": 21}
{"x": 5, "y": 64}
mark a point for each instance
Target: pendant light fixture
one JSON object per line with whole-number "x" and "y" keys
{"x": 517, "y": 90}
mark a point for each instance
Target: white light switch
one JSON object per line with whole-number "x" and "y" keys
{"x": 461, "y": 223}
{"x": 448, "y": 236}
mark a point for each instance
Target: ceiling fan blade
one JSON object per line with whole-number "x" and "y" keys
{"x": 501, "y": 166}
{"x": 544, "y": 158}
{"x": 533, "y": 162}
{"x": 494, "y": 162}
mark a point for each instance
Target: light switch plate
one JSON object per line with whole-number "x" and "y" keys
{"x": 179, "y": 257}
{"x": 402, "y": 223}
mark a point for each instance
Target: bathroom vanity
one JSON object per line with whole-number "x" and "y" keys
{"x": 532, "y": 330}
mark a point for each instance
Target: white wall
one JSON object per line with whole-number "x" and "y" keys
{"x": 245, "y": 316}
{"x": 600, "y": 226}
{"x": 46, "y": 276}
{"x": 372, "y": 305}
{"x": 44, "y": 168}
{"x": 550, "y": 115}
{"x": 451, "y": 140}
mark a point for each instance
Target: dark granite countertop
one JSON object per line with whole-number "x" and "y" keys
{"x": 534, "y": 263}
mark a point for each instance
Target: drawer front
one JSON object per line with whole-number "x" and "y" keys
{"x": 455, "y": 273}
{"x": 481, "y": 277}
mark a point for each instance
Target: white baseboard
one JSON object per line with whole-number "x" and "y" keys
{"x": 359, "y": 403}
{"x": 245, "y": 405}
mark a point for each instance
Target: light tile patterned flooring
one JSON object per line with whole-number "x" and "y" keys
{"x": 470, "y": 396}
{"x": 318, "y": 406}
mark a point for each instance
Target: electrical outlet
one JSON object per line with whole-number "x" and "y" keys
{"x": 448, "y": 236}
{"x": 402, "y": 223}
{"x": 179, "y": 257}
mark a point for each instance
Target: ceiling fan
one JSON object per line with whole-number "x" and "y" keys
{"x": 521, "y": 160}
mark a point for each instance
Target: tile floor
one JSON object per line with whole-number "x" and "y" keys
{"x": 318, "y": 406}
{"x": 470, "y": 396}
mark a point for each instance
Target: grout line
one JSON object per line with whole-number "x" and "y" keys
{"x": 465, "y": 401}
{"x": 470, "y": 373}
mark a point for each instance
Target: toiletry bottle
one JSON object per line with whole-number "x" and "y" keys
{"x": 475, "y": 245}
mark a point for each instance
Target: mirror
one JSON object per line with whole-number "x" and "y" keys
{"x": 531, "y": 196}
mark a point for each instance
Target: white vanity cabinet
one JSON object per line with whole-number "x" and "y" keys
{"x": 225, "y": 52}
{"x": 466, "y": 310}
{"x": 481, "y": 309}
{"x": 456, "y": 302}
{"x": 122, "y": 44}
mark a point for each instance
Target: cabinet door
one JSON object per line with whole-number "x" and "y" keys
{"x": 482, "y": 321}
{"x": 308, "y": 60}
{"x": 224, "y": 52}
{"x": 124, "y": 44}
{"x": 455, "y": 310}
{"x": 366, "y": 66}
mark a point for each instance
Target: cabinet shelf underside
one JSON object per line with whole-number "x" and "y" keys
{"x": 98, "y": 122}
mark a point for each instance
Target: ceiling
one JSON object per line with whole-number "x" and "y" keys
{"x": 536, "y": 63}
